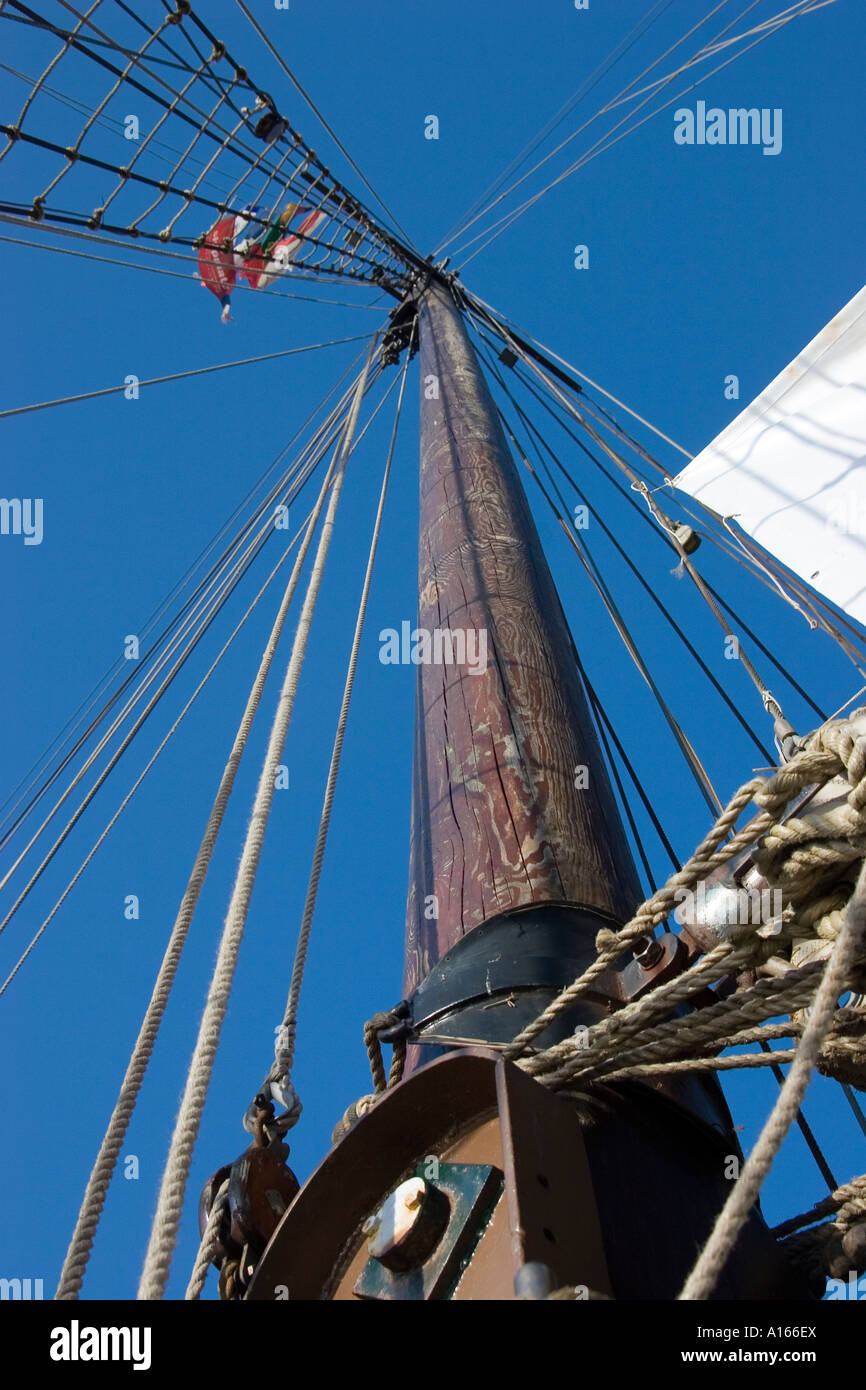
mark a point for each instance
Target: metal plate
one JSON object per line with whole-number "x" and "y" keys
{"x": 472, "y": 1189}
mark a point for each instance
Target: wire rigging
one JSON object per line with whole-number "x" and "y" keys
{"x": 686, "y": 747}
{"x": 621, "y": 96}
{"x": 287, "y": 485}
{"x": 152, "y": 760}
{"x": 147, "y": 767}
{"x": 179, "y": 376}
{"x": 81, "y": 1244}
{"x": 487, "y": 201}
{"x": 278, "y": 1082}
{"x": 551, "y": 406}
{"x": 482, "y": 202}
{"x": 192, "y": 630}
{"x": 499, "y": 321}
{"x": 607, "y": 141}
{"x": 638, "y": 574}
{"x": 663, "y": 520}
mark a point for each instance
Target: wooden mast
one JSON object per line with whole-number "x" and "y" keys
{"x": 511, "y": 801}
{"x": 468, "y": 1179}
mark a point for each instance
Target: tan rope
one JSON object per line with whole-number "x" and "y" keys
{"x": 735, "y": 1212}
{"x": 210, "y": 1243}
{"x": 280, "y": 1073}
{"x": 81, "y": 1244}
{"x": 170, "y": 1204}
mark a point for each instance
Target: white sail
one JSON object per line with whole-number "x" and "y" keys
{"x": 791, "y": 468}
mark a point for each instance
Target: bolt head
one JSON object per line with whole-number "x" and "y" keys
{"x": 396, "y": 1218}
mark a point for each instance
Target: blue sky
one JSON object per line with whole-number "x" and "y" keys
{"x": 703, "y": 262}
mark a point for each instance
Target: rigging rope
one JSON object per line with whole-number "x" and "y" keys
{"x": 621, "y": 97}
{"x": 599, "y": 147}
{"x": 216, "y": 602}
{"x": 210, "y": 1243}
{"x": 805, "y": 1129}
{"x": 847, "y": 952}
{"x": 163, "y": 253}
{"x": 687, "y": 748}
{"x": 481, "y": 202}
{"x": 628, "y": 495}
{"x": 170, "y": 1204}
{"x": 824, "y": 926}
{"x": 175, "y": 274}
{"x": 530, "y": 428}
{"x": 148, "y": 765}
{"x": 81, "y": 1244}
{"x": 828, "y": 750}
{"x": 179, "y": 376}
{"x": 606, "y": 728}
{"x": 498, "y": 322}
{"x": 357, "y": 247}
{"x": 646, "y": 518}
{"x": 280, "y": 1073}
{"x": 278, "y": 1083}
{"x": 317, "y": 113}
{"x": 663, "y": 520}
{"x": 287, "y": 487}
{"x": 108, "y": 122}
{"x": 101, "y": 779}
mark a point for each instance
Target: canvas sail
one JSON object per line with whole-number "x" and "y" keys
{"x": 791, "y": 468}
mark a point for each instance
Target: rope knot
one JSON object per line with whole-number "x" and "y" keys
{"x": 606, "y": 941}
{"x": 381, "y": 1023}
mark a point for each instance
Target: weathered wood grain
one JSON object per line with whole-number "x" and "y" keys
{"x": 497, "y": 821}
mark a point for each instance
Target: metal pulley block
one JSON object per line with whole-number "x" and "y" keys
{"x": 260, "y": 1189}
{"x": 400, "y": 333}
{"x": 270, "y": 127}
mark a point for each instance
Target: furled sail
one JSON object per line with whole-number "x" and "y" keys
{"x": 791, "y": 468}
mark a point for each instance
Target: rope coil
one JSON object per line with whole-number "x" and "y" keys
{"x": 819, "y": 857}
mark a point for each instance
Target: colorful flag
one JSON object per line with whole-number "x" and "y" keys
{"x": 218, "y": 258}
{"x": 275, "y": 252}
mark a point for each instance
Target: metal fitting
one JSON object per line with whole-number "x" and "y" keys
{"x": 647, "y": 952}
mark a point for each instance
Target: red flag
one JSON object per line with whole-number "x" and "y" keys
{"x": 216, "y": 262}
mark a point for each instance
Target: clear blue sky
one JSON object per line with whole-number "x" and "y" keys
{"x": 703, "y": 262}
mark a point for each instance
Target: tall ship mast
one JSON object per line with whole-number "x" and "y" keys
{"x": 548, "y": 1114}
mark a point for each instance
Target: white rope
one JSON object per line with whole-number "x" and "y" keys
{"x": 810, "y": 858}
{"x": 81, "y": 1244}
{"x": 209, "y": 1244}
{"x": 284, "y": 1050}
{"x": 166, "y": 1222}
{"x": 735, "y": 1212}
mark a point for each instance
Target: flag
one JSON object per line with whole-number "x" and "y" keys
{"x": 275, "y": 252}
